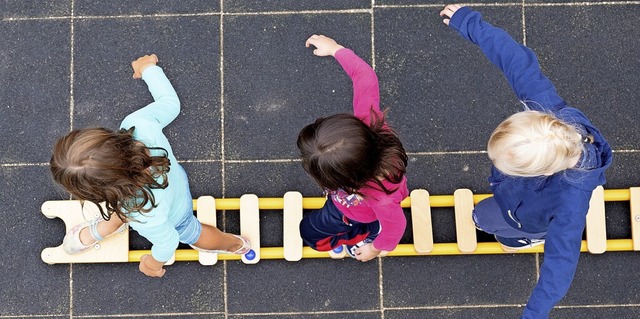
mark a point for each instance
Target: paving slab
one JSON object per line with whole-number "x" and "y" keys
{"x": 35, "y": 104}
{"x": 426, "y": 82}
{"x": 188, "y": 50}
{"x": 19, "y": 9}
{"x": 124, "y": 7}
{"x": 275, "y": 86}
{"x": 236, "y": 6}
{"x": 605, "y": 87}
{"x": 320, "y": 285}
{"x": 457, "y": 281}
{"x": 29, "y": 286}
{"x": 187, "y": 287}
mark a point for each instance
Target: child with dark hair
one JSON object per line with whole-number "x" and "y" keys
{"x": 360, "y": 162}
{"x": 129, "y": 171}
{"x": 547, "y": 160}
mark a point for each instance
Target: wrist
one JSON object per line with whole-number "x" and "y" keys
{"x": 152, "y": 263}
{"x": 336, "y": 49}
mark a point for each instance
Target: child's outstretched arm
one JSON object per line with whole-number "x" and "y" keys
{"x": 517, "y": 62}
{"x": 166, "y": 105}
{"x": 366, "y": 92}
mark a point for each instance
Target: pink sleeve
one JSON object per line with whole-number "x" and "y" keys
{"x": 393, "y": 223}
{"x": 366, "y": 92}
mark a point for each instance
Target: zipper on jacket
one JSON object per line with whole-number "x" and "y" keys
{"x": 511, "y": 216}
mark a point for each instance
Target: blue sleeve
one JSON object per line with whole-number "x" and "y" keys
{"x": 517, "y": 62}
{"x": 561, "y": 253}
{"x": 166, "y": 105}
{"x": 155, "y": 227}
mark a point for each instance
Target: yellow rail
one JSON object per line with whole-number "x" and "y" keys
{"x": 441, "y": 249}
{"x": 275, "y": 203}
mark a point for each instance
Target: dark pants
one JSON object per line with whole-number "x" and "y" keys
{"x": 488, "y": 217}
{"x": 327, "y": 228}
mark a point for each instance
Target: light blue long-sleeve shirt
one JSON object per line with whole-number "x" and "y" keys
{"x": 173, "y": 202}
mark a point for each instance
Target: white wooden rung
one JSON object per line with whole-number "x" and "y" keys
{"x": 206, "y": 213}
{"x": 635, "y": 217}
{"x": 291, "y": 228}
{"x": 465, "y": 228}
{"x": 250, "y": 226}
{"x": 421, "y": 221}
{"x": 596, "y": 227}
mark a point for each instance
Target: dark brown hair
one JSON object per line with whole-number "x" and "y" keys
{"x": 342, "y": 152}
{"x": 99, "y": 165}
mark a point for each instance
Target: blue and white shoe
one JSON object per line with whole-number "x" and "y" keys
{"x": 519, "y": 243}
{"x": 351, "y": 250}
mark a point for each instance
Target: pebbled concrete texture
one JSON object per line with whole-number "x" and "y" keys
{"x": 247, "y": 86}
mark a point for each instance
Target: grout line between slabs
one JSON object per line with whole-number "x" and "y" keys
{"x": 293, "y": 160}
{"x": 225, "y": 291}
{"x": 345, "y": 11}
{"x": 71, "y": 123}
{"x": 524, "y": 25}
{"x": 449, "y": 307}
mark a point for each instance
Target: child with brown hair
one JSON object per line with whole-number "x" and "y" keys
{"x": 360, "y": 162}
{"x": 547, "y": 160}
{"x": 135, "y": 173}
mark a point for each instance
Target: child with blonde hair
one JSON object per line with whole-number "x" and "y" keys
{"x": 547, "y": 161}
{"x": 360, "y": 162}
{"x": 135, "y": 173}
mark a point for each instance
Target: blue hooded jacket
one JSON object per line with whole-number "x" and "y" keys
{"x": 556, "y": 204}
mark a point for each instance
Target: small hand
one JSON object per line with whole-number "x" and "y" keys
{"x": 367, "y": 252}
{"x": 151, "y": 267}
{"x": 448, "y": 11}
{"x": 324, "y": 46}
{"x": 142, "y": 63}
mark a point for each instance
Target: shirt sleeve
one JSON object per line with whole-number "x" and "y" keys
{"x": 392, "y": 224}
{"x": 561, "y": 253}
{"x": 366, "y": 91}
{"x": 517, "y": 62}
{"x": 166, "y": 105}
{"x": 155, "y": 227}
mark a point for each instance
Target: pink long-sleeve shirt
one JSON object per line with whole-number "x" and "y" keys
{"x": 375, "y": 204}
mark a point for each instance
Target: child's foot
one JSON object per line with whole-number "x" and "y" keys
{"x": 245, "y": 247}
{"x": 515, "y": 244}
{"x": 83, "y": 236}
{"x": 351, "y": 250}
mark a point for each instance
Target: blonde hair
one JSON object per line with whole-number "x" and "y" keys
{"x": 533, "y": 143}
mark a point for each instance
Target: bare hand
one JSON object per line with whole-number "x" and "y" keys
{"x": 142, "y": 63}
{"x": 367, "y": 252}
{"x": 151, "y": 267}
{"x": 448, "y": 11}
{"x": 324, "y": 46}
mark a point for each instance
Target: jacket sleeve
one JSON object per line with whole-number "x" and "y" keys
{"x": 517, "y": 62}
{"x": 561, "y": 253}
{"x": 392, "y": 224}
{"x": 366, "y": 92}
{"x": 155, "y": 227}
{"x": 166, "y": 105}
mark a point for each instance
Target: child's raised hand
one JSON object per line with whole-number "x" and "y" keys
{"x": 324, "y": 46}
{"x": 142, "y": 63}
{"x": 448, "y": 11}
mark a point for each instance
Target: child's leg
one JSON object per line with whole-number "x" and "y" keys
{"x": 488, "y": 217}
{"x": 104, "y": 228}
{"x": 211, "y": 238}
{"x": 327, "y": 228}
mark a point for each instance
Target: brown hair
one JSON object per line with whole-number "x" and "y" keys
{"x": 342, "y": 152}
{"x": 99, "y": 165}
